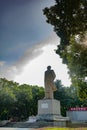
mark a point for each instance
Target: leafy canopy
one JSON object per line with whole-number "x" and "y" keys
{"x": 69, "y": 19}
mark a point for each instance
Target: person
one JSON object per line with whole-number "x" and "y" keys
{"x": 49, "y": 83}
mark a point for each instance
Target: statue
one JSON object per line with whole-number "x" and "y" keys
{"x": 49, "y": 83}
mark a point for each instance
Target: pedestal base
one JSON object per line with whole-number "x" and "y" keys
{"x": 50, "y": 117}
{"x": 49, "y": 106}
{"x": 49, "y": 111}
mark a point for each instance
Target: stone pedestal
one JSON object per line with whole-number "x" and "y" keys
{"x": 49, "y": 110}
{"x": 48, "y": 106}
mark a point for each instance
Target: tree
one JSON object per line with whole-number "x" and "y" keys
{"x": 7, "y": 99}
{"x": 22, "y": 108}
{"x": 67, "y": 96}
{"x": 69, "y": 19}
{"x": 18, "y": 101}
{"x": 77, "y": 64}
{"x": 38, "y": 93}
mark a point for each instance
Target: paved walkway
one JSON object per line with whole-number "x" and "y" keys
{"x": 35, "y": 125}
{"x": 16, "y": 128}
{"x": 27, "y": 125}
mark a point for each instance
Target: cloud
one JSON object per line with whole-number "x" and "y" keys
{"x": 2, "y": 63}
{"x": 37, "y": 50}
{"x": 22, "y": 24}
{"x": 31, "y": 53}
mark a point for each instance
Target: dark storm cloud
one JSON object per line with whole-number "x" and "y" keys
{"x": 22, "y": 24}
{"x": 22, "y": 27}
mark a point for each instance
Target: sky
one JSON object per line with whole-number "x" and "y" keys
{"x": 28, "y": 43}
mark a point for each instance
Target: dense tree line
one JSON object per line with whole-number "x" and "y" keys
{"x": 20, "y": 101}
{"x": 68, "y": 97}
{"x": 69, "y": 19}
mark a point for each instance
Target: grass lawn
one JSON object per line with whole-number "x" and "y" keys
{"x": 62, "y": 128}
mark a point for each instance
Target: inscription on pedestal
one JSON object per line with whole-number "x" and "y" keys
{"x": 44, "y": 105}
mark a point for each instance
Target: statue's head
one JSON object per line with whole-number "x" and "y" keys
{"x": 49, "y": 67}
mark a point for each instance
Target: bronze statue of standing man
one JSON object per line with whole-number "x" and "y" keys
{"x": 49, "y": 83}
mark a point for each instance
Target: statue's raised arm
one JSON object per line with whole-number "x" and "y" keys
{"x": 49, "y": 83}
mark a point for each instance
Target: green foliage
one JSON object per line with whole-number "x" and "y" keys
{"x": 7, "y": 98}
{"x": 77, "y": 60}
{"x": 38, "y": 93}
{"x": 18, "y": 101}
{"x": 68, "y": 97}
{"x": 69, "y": 19}
{"x": 82, "y": 89}
{"x": 77, "y": 65}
